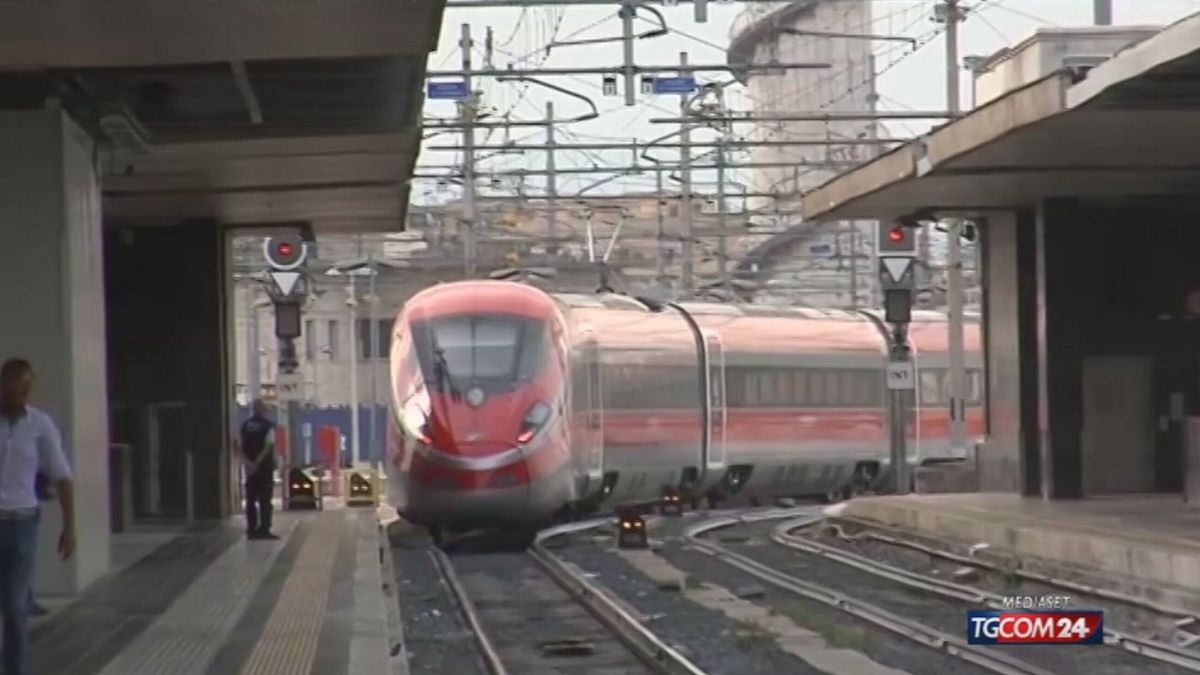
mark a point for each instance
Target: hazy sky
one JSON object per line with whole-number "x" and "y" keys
{"x": 916, "y": 82}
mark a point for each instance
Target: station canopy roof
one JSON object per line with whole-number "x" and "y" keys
{"x": 244, "y": 111}
{"x": 1127, "y": 131}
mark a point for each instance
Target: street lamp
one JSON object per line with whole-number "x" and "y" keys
{"x": 353, "y": 269}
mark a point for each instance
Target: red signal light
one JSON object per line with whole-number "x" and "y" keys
{"x": 896, "y": 234}
{"x": 285, "y": 249}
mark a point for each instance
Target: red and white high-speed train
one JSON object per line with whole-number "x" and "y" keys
{"x": 513, "y": 406}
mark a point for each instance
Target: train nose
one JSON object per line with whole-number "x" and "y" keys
{"x": 476, "y": 485}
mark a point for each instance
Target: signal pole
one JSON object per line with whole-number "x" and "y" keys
{"x": 551, "y": 183}
{"x": 896, "y": 249}
{"x": 952, "y": 72}
{"x": 355, "y": 444}
{"x": 286, "y": 256}
{"x": 954, "y": 278}
{"x": 253, "y": 362}
{"x": 468, "y": 114}
{"x": 722, "y": 253}
{"x": 685, "y": 204}
{"x": 659, "y": 233}
{"x": 373, "y": 440}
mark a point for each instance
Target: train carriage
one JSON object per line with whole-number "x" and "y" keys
{"x": 514, "y": 407}
{"x": 803, "y": 397}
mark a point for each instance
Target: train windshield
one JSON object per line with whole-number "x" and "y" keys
{"x": 479, "y": 349}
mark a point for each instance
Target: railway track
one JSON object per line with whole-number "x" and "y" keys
{"x": 1164, "y": 652}
{"x": 907, "y": 628}
{"x": 506, "y": 599}
{"x": 1177, "y": 658}
{"x": 1180, "y": 619}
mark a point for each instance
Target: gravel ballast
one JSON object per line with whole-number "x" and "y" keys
{"x": 436, "y": 641}
{"x": 704, "y": 635}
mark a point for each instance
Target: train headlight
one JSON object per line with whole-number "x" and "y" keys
{"x": 535, "y": 420}
{"x": 415, "y": 423}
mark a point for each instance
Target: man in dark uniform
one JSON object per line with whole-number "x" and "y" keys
{"x": 258, "y": 453}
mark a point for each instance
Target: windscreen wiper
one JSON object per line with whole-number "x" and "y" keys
{"x": 441, "y": 371}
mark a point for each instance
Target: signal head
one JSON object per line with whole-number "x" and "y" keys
{"x": 285, "y": 253}
{"x": 897, "y": 238}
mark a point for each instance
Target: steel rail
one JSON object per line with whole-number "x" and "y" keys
{"x": 906, "y": 628}
{"x": 1047, "y": 579}
{"x": 626, "y": 627}
{"x": 491, "y": 659}
{"x": 1152, "y": 649}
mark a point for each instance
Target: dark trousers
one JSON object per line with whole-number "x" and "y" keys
{"x": 260, "y": 487}
{"x": 18, "y": 540}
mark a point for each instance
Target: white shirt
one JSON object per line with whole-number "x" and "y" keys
{"x": 28, "y": 445}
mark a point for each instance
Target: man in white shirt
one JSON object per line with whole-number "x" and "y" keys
{"x": 29, "y": 442}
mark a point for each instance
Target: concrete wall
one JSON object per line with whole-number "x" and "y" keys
{"x": 52, "y": 314}
{"x": 1068, "y": 288}
{"x": 1046, "y": 51}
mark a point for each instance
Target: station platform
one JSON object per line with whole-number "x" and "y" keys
{"x": 209, "y": 602}
{"x": 1148, "y": 545}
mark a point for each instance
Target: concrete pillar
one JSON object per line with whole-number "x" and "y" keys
{"x": 1001, "y": 459}
{"x": 52, "y": 313}
{"x": 1060, "y": 302}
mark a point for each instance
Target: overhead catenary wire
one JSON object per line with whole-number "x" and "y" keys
{"x": 515, "y": 48}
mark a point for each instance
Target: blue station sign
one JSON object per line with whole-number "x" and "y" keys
{"x": 455, "y": 90}
{"x": 674, "y": 85}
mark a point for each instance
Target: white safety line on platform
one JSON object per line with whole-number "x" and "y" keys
{"x": 186, "y": 638}
{"x": 369, "y": 645}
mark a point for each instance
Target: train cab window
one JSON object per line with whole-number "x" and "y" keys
{"x": 481, "y": 348}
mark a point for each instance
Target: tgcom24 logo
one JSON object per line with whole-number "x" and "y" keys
{"x": 991, "y": 627}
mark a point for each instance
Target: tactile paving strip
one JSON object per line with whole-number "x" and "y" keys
{"x": 288, "y": 644}
{"x": 184, "y": 640}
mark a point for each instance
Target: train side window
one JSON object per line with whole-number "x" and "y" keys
{"x": 974, "y": 387}
{"x": 594, "y": 389}
{"x": 865, "y": 396}
{"x": 783, "y": 388}
{"x": 766, "y": 388}
{"x": 800, "y": 387}
{"x": 850, "y": 390}
{"x": 931, "y": 388}
{"x": 816, "y": 388}
{"x": 874, "y": 384}
{"x": 832, "y": 395}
